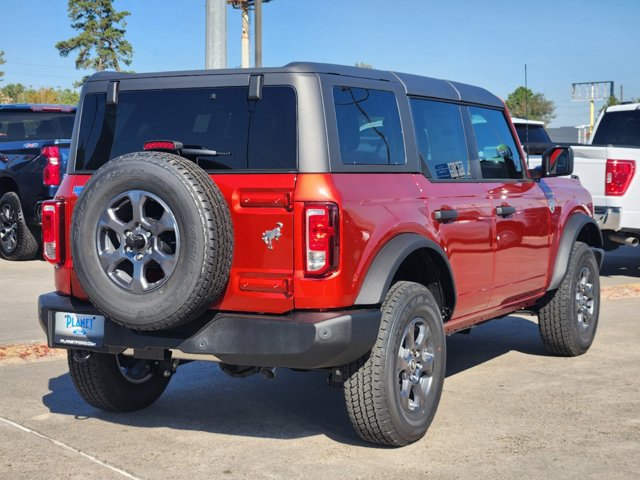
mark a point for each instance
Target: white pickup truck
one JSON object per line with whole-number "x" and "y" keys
{"x": 607, "y": 168}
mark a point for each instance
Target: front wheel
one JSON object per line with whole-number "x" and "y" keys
{"x": 116, "y": 383}
{"x": 569, "y": 319}
{"x": 392, "y": 393}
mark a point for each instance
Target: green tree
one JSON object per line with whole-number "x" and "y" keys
{"x": 363, "y": 65}
{"x": 101, "y": 43}
{"x": 18, "y": 93}
{"x": 522, "y": 102}
{"x": 2, "y": 62}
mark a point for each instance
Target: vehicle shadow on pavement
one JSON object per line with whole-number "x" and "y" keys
{"x": 624, "y": 261}
{"x": 201, "y": 397}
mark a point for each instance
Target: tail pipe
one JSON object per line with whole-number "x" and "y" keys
{"x": 624, "y": 240}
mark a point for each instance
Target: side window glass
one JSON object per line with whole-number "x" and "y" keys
{"x": 369, "y": 131}
{"x": 497, "y": 150}
{"x": 440, "y": 138}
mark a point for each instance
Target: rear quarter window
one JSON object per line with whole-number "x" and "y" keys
{"x": 249, "y": 134}
{"x": 369, "y": 130}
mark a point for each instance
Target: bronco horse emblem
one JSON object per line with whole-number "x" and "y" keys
{"x": 270, "y": 235}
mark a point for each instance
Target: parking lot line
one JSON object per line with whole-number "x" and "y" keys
{"x": 69, "y": 448}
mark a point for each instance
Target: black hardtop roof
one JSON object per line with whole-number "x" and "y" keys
{"x": 413, "y": 84}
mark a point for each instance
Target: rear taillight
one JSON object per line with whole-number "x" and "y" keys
{"x": 618, "y": 176}
{"x": 52, "y": 231}
{"x": 322, "y": 239}
{"x": 52, "y": 174}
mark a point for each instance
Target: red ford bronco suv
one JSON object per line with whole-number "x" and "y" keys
{"x": 315, "y": 217}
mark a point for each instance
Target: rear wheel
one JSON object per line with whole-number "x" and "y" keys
{"x": 569, "y": 319}
{"x": 16, "y": 240}
{"x": 392, "y": 393}
{"x": 116, "y": 383}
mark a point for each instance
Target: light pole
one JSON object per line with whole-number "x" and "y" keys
{"x": 245, "y": 6}
{"x": 216, "y": 34}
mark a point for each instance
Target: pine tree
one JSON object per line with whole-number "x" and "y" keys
{"x": 100, "y": 44}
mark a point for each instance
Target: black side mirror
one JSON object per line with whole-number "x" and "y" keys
{"x": 557, "y": 162}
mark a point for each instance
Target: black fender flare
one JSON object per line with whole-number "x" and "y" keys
{"x": 572, "y": 230}
{"x": 378, "y": 279}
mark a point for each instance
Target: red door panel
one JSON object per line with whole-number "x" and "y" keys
{"x": 522, "y": 240}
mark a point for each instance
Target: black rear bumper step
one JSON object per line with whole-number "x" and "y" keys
{"x": 305, "y": 340}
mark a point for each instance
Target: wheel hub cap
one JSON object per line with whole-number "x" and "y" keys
{"x": 8, "y": 229}
{"x": 415, "y": 364}
{"x": 584, "y": 299}
{"x": 138, "y": 241}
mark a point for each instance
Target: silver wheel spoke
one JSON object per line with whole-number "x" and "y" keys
{"x": 415, "y": 365}
{"x": 166, "y": 223}
{"x": 138, "y": 282}
{"x": 110, "y": 260}
{"x": 167, "y": 262}
{"x": 133, "y": 248}
{"x": 138, "y": 199}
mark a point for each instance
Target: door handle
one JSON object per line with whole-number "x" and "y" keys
{"x": 505, "y": 210}
{"x": 445, "y": 215}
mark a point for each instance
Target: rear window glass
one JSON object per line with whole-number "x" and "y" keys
{"x": 535, "y": 134}
{"x": 247, "y": 134}
{"x": 18, "y": 126}
{"x": 369, "y": 130}
{"x": 619, "y": 128}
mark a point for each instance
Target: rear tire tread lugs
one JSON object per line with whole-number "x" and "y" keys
{"x": 364, "y": 388}
{"x": 99, "y": 382}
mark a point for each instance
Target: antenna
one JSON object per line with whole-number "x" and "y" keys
{"x": 526, "y": 112}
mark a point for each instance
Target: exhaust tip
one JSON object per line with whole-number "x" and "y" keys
{"x": 268, "y": 373}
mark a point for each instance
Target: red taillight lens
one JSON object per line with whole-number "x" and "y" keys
{"x": 618, "y": 176}
{"x": 322, "y": 239}
{"x": 52, "y": 174}
{"x": 52, "y": 229}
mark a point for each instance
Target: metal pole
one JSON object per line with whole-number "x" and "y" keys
{"x": 216, "y": 34}
{"x": 245, "y": 35}
{"x": 258, "y": 33}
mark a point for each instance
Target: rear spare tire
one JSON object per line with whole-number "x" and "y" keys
{"x": 151, "y": 240}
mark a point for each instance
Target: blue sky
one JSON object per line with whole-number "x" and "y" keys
{"x": 482, "y": 42}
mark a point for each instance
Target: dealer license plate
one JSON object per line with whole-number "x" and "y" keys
{"x": 77, "y": 329}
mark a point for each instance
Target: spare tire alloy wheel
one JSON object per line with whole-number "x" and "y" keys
{"x": 152, "y": 240}
{"x": 138, "y": 241}
{"x": 16, "y": 240}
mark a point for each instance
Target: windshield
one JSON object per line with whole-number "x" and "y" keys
{"x": 17, "y": 126}
{"x": 248, "y": 134}
{"x": 619, "y": 128}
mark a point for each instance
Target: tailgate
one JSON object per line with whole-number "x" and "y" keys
{"x": 261, "y": 208}
{"x": 590, "y": 163}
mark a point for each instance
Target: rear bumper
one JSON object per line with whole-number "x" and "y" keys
{"x": 307, "y": 340}
{"x": 608, "y": 218}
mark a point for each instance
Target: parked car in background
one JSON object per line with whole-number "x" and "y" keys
{"x": 534, "y": 139}
{"x": 607, "y": 167}
{"x": 34, "y": 147}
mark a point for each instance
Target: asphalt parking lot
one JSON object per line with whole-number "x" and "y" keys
{"x": 508, "y": 409}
